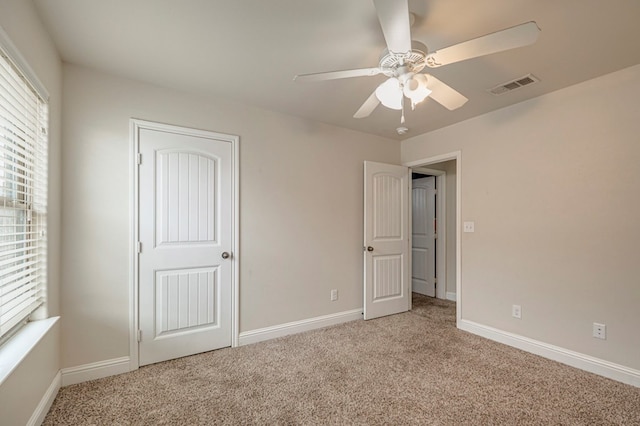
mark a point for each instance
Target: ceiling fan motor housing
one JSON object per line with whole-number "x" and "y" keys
{"x": 396, "y": 65}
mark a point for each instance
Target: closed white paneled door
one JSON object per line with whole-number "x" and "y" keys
{"x": 386, "y": 239}
{"x": 186, "y": 241}
{"x": 423, "y": 250}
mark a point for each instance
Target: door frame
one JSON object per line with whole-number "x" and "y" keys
{"x": 425, "y": 162}
{"x": 441, "y": 228}
{"x": 135, "y": 125}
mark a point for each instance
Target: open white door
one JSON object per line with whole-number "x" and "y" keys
{"x": 386, "y": 240}
{"x": 423, "y": 231}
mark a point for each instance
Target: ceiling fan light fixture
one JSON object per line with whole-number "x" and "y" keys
{"x": 389, "y": 93}
{"x": 416, "y": 89}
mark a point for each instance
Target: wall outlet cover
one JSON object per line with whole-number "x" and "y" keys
{"x": 516, "y": 311}
{"x": 599, "y": 331}
{"x": 334, "y": 294}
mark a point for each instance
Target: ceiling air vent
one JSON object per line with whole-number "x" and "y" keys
{"x": 514, "y": 84}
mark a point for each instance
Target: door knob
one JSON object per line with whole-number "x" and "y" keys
{"x": 369, "y": 248}
{"x": 225, "y": 255}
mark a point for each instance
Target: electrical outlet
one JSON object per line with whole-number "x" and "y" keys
{"x": 599, "y": 331}
{"x": 469, "y": 227}
{"x": 334, "y": 295}
{"x": 516, "y": 311}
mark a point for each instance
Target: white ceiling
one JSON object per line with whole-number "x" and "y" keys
{"x": 249, "y": 50}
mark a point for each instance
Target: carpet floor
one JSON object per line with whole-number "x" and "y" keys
{"x": 410, "y": 368}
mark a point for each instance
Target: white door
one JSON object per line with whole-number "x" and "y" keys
{"x": 423, "y": 245}
{"x": 186, "y": 232}
{"x": 386, "y": 239}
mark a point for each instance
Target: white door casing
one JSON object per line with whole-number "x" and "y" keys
{"x": 423, "y": 229}
{"x": 185, "y": 224}
{"x": 386, "y": 240}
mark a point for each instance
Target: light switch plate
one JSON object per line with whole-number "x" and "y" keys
{"x": 469, "y": 227}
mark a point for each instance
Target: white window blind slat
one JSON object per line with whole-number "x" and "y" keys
{"x": 18, "y": 123}
{"x": 23, "y": 191}
{"x": 12, "y": 148}
{"x": 4, "y": 245}
{"x": 15, "y": 107}
{"x": 18, "y": 300}
{"x": 8, "y": 321}
{"x": 18, "y": 276}
{"x": 15, "y": 255}
{"x": 7, "y": 136}
{"x": 18, "y": 295}
{"x": 20, "y": 258}
{"x": 8, "y": 273}
{"x": 7, "y": 289}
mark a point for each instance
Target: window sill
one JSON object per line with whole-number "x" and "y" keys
{"x": 19, "y": 346}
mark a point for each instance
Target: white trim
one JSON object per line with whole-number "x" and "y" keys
{"x": 133, "y": 248}
{"x": 134, "y": 126}
{"x": 458, "y": 237}
{"x": 18, "y": 347}
{"x": 451, "y": 296}
{"x": 21, "y": 63}
{"x": 45, "y": 403}
{"x": 455, "y": 155}
{"x": 268, "y": 333}
{"x": 441, "y": 241}
{"x": 588, "y": 363}
{"x": 427, "y": 171}
{"x": 235, "y": 285}
{"x": 95, "y": 370}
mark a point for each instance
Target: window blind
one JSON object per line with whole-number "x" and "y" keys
{"x": 23, "y": 196}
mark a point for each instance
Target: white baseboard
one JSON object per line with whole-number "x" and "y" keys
{"x": 268, "y": 333}
{"x": 45, "y": 403}
{"x": 451, "y": 296}
{"x": 95, "y": 370}
{"x": 588, "y": 363}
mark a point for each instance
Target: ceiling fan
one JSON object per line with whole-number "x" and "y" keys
{"x": 404, "y": 60}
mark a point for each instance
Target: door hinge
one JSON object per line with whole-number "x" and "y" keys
{"x": 139, "y": 158}
{"x": 139, "y": 247}
{"x": 139, "y": 336}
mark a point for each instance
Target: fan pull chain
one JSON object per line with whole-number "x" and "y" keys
{"x": 402, "y": 109}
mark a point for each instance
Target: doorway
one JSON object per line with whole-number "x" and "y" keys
{"x": 445, "y": 170}
{"x": 387, "y": 201}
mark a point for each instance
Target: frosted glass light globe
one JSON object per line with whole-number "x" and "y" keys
{"x": 390, "y": 94}
{"x": 416, "y": 88}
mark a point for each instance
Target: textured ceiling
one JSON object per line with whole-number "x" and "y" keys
{"x": 249, "y": 50}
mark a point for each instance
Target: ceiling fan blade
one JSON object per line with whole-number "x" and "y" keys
{"x": 444, "y": 95}
{"x": 510, "y": 38}
{"x": 334, "y": 75}
{"x": 395, "y": 23}
{"x": 367, "y": 107}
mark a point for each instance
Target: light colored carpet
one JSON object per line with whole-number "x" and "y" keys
{"x": 411, "y": 368}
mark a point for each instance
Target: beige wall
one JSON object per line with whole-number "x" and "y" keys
{"x": 553, "y": 186}
{"x": 25, "y": 387}
{"x": 300, "y": 208}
